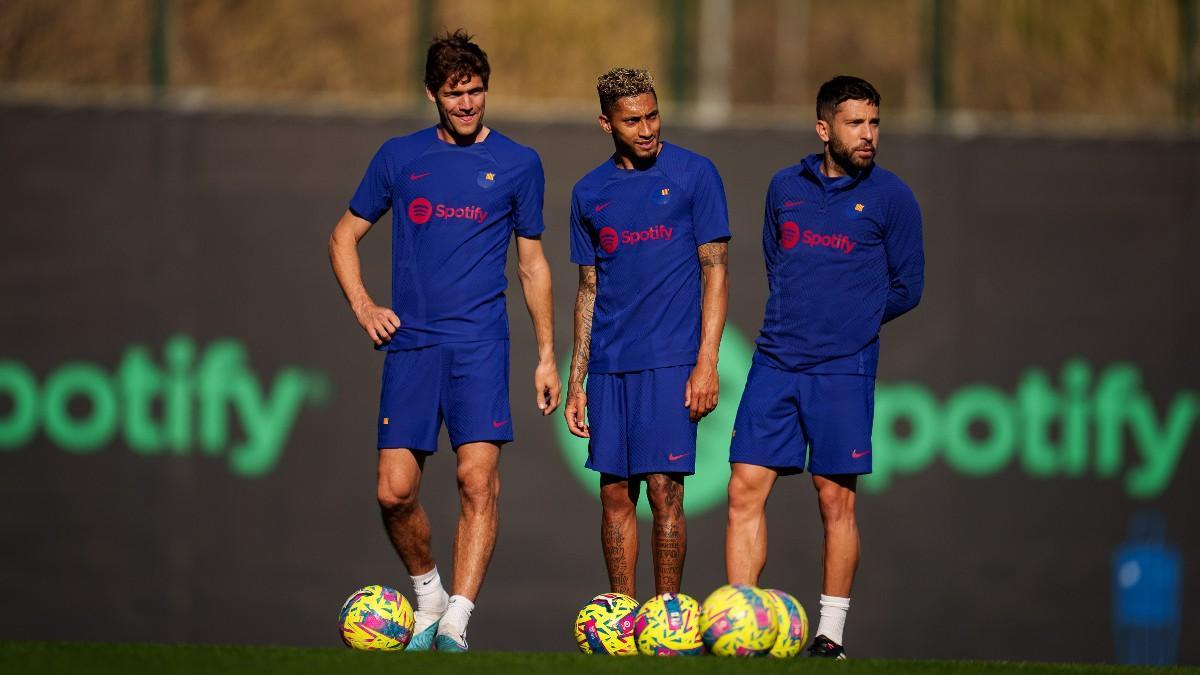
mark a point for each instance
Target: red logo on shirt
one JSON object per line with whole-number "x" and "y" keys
{"x": 649, "y": 234}
{"x": 420, "y": 210}
{"x": 789, "y": 234}
{"x": 608, "y": 239}
{"x": 609, "y": 236}
{"x": 838, "y": 242}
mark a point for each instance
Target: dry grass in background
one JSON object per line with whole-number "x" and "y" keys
{"x": 1117, "y": 58}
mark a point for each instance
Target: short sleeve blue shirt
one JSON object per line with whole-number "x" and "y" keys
{"x": 640, "y": 229}
{"x": 454, "y": 210}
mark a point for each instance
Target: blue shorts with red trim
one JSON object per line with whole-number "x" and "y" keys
{"x": 464, "y": 384}
{"x": 785, "y": 416}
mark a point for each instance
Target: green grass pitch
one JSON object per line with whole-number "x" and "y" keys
{"x": 33, "y": 658}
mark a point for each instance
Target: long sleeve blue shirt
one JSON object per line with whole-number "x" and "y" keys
{"x": 844, "y": 256}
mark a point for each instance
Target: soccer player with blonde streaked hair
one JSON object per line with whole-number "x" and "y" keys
{"x": 650, "y": 232}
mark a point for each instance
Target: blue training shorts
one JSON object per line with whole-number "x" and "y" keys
{"x": 639, "y": 424}
{"x": 464, "y": 384}
{"x": 783, "y": 414}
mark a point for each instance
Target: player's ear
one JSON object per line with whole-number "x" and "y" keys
{"x": 605, "y": 124}
{"x": 429, "y": 95}
{"x": 823, "y": 130}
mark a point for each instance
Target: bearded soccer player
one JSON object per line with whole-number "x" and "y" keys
{"x": 458, "y": 192}
{"x": 842, "y": 242}
{"x": 649, "y": 231}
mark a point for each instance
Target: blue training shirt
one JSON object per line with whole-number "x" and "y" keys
{"x": 453, "y": 212}
{"x": 843, "y": 256}
{"x": 641, "y": 228}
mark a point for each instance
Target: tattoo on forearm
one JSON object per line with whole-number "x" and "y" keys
{"x": 585, "y": 307}
{"x": 713, "y": 254}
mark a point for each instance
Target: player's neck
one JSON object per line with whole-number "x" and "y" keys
{"x": 634, "y": 163}
{"x": 448, "y": 136}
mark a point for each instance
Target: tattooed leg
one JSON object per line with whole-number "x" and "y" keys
{"x": 618, "y": 532}
{"x": 670, "y": 530}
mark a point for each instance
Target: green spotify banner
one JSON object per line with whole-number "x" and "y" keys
{"x": 188, "y": 409}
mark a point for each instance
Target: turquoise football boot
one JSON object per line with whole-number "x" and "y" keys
{"x": 423, "y": 641}
{"x": 445, "y": 643}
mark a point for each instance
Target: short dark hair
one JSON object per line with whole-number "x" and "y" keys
{"x": 841, "y": 89}
{"x": 621, "y": 82}
{"x": 452, "y": 56}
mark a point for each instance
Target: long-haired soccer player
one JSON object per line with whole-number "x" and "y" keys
{"x": 649, "y": 231}
{"x": 458, "y": 192}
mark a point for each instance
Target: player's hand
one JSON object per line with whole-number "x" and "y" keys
{"x": 379, "y": 322}
{"x": 547, "y": 385}
{"x": 700, "y": 398}
{"x": 576, "y": 413}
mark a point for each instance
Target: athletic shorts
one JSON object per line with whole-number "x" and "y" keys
{"x": 783, "y": 414}
{"x": 639, "y": 424}
{"x": 464, "y": 384}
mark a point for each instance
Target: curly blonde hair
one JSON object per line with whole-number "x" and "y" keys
{"x": 621, "y": 82}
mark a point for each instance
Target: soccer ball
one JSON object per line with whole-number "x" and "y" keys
{"x": 376, "y": 617}
{"x": 793, "y": 624}
{"x": 605, "y": 625}
{"x": 738, "y": 620}
{"x": 669, "y": 625}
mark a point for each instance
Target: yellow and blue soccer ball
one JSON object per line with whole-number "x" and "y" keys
{"x": 605, "y": 625}
{"x": 669, "y": 625}
{"x": 793, "y": 624}
{"x": 738, "y": 620}
{"x": 376, "y": 617}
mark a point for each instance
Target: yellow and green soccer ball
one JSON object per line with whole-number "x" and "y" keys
{"x": 738, "y": 620}
{"x": 376, "y": 617}
{"x": 669, "y": 625}
{"x": 605, "y": 625}
{"x": 793, "y": 624}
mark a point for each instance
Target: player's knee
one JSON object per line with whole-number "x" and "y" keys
{"x": 615, "y": 499}
{"x": 836, "y": 502}
{"x": 665, "y": 494}
{"x": 397, "y": 496}
{"x": 479, "y": 489}
{"x": 746, "y": 497}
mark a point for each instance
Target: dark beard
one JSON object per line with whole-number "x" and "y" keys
{"x": 843, "y": 156}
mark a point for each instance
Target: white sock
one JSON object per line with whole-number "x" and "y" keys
{"x": 454, "y": 621}
{"x": 833, "y": 617}
{"x": 431, "y": 599}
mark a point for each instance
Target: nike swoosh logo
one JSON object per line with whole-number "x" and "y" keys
{"x": 417, "y": 176}
{"x": 674, "y": 458}
{"x": 497, "y": 425}
{"x": 856, "y": 454}
{"x": 789, "y": 204}
{"x": 601, "y": 207}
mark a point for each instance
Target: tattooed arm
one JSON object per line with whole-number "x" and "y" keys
{"x": 703, "y": 385}
{"x": 585, "y": 305}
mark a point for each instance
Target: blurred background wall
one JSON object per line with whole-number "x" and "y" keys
{"x": 186, "y": 405}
